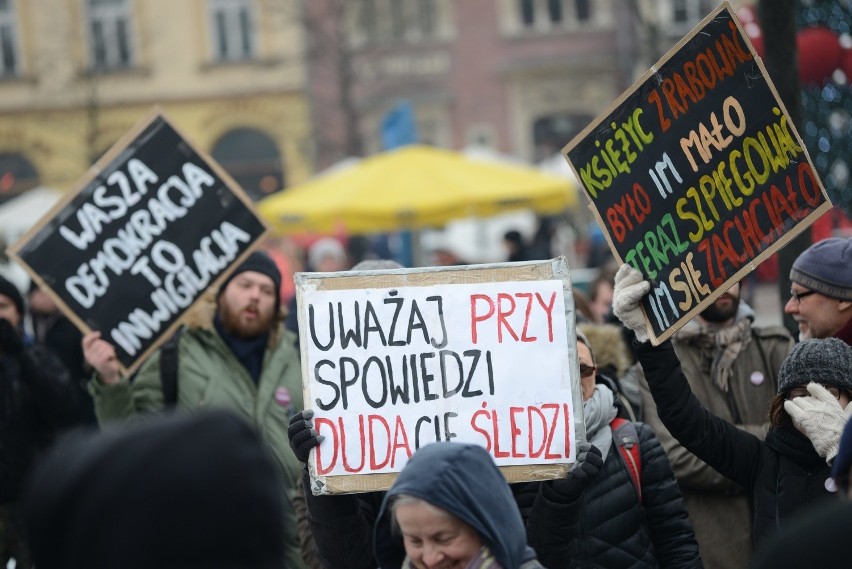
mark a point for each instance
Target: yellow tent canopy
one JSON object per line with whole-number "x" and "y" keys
{"x": 413, "y": 187}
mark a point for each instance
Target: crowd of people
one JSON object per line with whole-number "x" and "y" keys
{"x": 726, "y": 446}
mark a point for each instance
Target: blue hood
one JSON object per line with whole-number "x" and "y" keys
{"x": 463, "y": 480}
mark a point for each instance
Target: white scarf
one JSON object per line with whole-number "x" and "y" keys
{"x": 598, "y": 413}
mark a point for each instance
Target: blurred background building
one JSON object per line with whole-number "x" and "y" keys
{"x": 77, "y": 74}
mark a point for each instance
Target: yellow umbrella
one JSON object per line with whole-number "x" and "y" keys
{"x": 411, "y": 188}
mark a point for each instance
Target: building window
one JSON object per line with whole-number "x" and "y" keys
{"x": 550, "y": 14}
{"x": 109, "y": 34}
{"x": 552, "y": 132}
{"x": 426, "y": 17}
{"x": 680, "y": 11}
{"x": 583, "y": 10}
{"x": 527, "y": 12}
{"x": 233, "y": 29}
{"x": 8, "y": 41}
{"x": 379, "y": 22}
{"x": 253, "y": 159}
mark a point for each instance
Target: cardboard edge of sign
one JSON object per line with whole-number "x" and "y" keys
{"x": 554, "y": 269}
{"x": 156, "y": 113}
{"x": 763, "y": 255}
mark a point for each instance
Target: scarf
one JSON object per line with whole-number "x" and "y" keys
{"x": 249, "y": 351}
{"x": 598, "y": 413}
{"x": 788, "y": 441}
{"x": 485, "y": 560}
{"x": 721, "y": 345}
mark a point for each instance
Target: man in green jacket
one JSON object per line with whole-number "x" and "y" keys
{"x": 236, "y": 356}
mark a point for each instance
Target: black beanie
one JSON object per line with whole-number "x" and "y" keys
{"x": 7, "y": 288}
{"x": 262, "y": 263}
{"x": 828, "y": 362}
{"x": 188, "y": 492}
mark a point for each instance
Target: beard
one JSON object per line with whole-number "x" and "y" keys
{"x": 716, "y": 314}
{"x": 232, "y": 321}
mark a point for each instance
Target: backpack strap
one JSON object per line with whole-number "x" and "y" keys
{"x": 627, "y": 441}
{"x": 169, "y": 370}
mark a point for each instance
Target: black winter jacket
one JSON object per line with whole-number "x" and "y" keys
{"x": 616, "y": 532}
{"x": 37, "y": 399}
{"x": 781, "y": 474}
{"x": 342, "y": 526}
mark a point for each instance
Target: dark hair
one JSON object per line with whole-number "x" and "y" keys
{"x": 778, "y": 416}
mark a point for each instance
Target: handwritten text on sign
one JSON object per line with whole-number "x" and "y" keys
{"x": 140, "y": 243}
{"x": 697, "y": 172}
{"x": 394, "y": 369}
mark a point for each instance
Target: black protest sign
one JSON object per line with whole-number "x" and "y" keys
{"x": 153, "y": 225}
{"x": 696, "y": 173}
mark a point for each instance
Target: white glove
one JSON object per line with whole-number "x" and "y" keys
{"x": 629, "y": 289}
{"x": 820, "y": 417}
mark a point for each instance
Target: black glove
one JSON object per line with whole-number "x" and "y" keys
{"x": 302, "y": 435}
{"x": 10, "y": 338}
{"x": 589, "y": 464}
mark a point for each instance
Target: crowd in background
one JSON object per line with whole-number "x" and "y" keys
{"x": 718, "y": 448}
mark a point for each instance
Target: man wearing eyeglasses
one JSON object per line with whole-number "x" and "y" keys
{"x": 732, "y": 367}
{"x": 821, "y": 290}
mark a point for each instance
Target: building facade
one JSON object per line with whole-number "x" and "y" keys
{"x": 75, "y": 75}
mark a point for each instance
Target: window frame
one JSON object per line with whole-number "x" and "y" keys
{"x": 9, "y": 22}
{"x": 239, "y": 31}
{"x": 117, "y": 55}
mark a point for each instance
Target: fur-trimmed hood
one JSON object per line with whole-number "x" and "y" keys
{"x": 608, "y": 346}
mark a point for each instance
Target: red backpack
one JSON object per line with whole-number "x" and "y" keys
{"x": 627, "y": 441}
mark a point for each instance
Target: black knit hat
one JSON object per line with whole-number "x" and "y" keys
{"x": 826, "y": 267}
{"x": 828, "y": 362}
{"x": 188, "y": 492}
{"x": 258, "y": 262}
{"x": 7, "y": 288}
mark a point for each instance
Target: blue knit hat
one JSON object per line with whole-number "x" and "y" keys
{"x": 826, "y": 267}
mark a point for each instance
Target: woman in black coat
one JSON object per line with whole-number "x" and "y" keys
{"x": 789, "y": 469}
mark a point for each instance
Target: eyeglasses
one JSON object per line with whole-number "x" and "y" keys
{"x": 803, "y": 392}
{"x": 587, "y": 371}
{"x": 798, "y": 296}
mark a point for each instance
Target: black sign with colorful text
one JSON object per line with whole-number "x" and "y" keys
{"x": 153, "y": 226}
{"x": 696, "y": 174}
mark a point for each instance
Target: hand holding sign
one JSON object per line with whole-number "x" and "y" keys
{"x": 630, "y": 287}
{"x": 100, "y": 354}
{"x": 302, "y": 435}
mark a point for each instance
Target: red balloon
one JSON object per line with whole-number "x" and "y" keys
{"x": 819, "y": 54}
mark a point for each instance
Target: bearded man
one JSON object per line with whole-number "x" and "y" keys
{"x": 237, "y": 357}
{"x": 732, "y": 367}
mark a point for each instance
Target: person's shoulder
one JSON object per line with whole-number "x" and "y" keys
{"x": 772, "y": 333}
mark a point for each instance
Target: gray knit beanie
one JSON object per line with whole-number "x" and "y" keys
{"x": 828, "y": 362}
{"x": 826, "y": 267}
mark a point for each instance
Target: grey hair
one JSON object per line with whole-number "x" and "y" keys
{"x": 408, "y": 499}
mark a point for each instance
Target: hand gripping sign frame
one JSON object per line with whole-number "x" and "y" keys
{"x": 696, "y": 173}
{"x": 395, "y": 359}
{"x": 152, "y": 226}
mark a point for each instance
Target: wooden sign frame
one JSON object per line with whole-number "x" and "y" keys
{"x": 556, "y": 269}
{"x": 602, "y": 124}
{"x": 226, "y": 189}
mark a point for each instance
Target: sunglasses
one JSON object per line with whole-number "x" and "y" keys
{"x": 587, "y": 371}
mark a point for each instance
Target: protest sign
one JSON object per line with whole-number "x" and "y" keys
{"x": 153, "y": 224}
{"x": 696, "y": 174}
{"x": 393, "y": 360}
